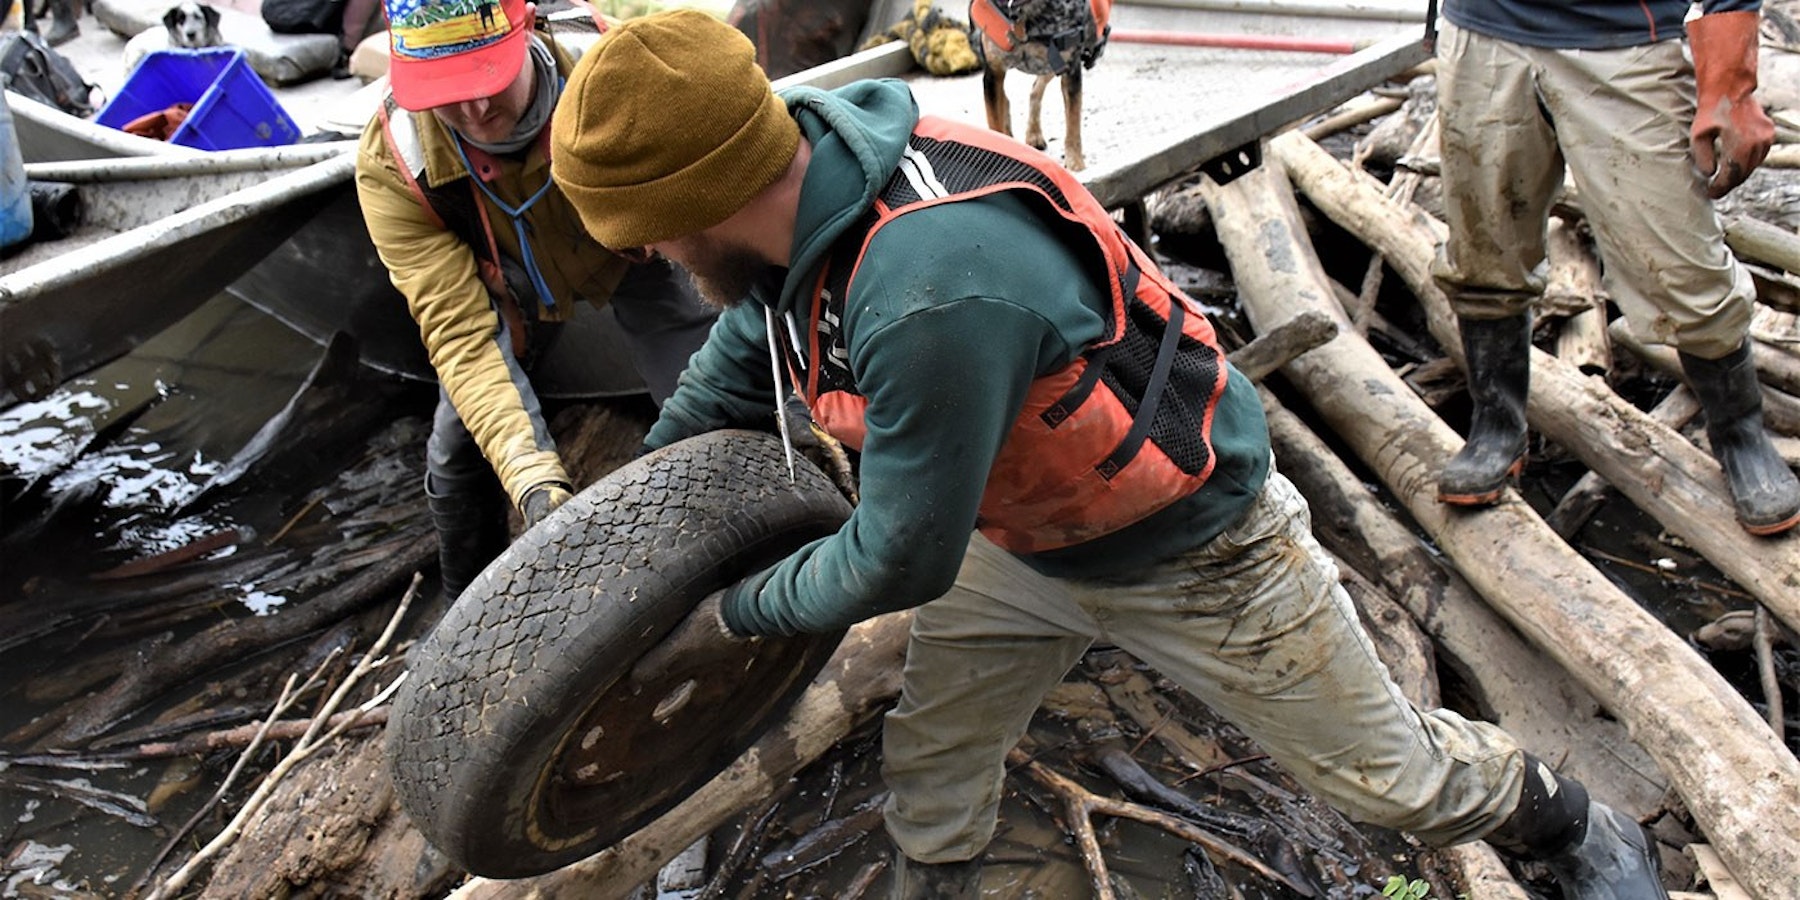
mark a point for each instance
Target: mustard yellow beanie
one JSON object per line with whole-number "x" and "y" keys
{"x": 667, "y": 127}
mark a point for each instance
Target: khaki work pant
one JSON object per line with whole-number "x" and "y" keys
{"x": 1513, "y": 116}
{"x": 1254, "y": 624}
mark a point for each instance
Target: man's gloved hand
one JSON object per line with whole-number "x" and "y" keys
{"x": 1731, "y": 133}
{"x": 541, "y": 499}
{"x": 701, "y": 638}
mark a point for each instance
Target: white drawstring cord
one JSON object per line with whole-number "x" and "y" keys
{"x": 781, "y": 422}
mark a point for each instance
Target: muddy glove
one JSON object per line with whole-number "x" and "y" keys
{"x": 702, "y": 637}
{"x": 1731, "y": 133}
{"x": 541, "y": 499}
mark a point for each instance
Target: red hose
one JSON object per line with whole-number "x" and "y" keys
{"x": 1237, "y": 41}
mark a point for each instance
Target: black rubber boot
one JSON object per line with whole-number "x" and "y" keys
{"x": 1595, "y": 852}
{"x": 1763, "y": 488}
{"x": 1498, "y": 354}
{"x": 936, "y": 881}
{"x": 62, "y": 23}
{"x": 471, "y": 532}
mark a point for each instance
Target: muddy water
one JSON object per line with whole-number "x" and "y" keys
{"x": 120, "y": 465}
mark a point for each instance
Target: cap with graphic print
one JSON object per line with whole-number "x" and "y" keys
{"x": 450, "y": 51}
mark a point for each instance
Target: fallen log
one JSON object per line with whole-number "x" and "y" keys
{"x": 285, "y": 730}
{"x": 228, "y": 640}
{"x": 1661, "y": 472}
{"x": 1757, "y": 240}
{"x": 825, "y": 841}
{"x": 1268, "y": 352}
{"x": 1777, "y": 363}
{"x": 1775, "y": 289}
{"x": 1583, "y": 499}
{"x": 334, "y": 822}
{"x": 1350, "y": 115}
{"x": 1781, "y": 410}
{"x": 1403, "y": 186}
{"x": 1752, "y": 240}
{"x": 1742, "y": 786}
{"x": 1573, "y": 284}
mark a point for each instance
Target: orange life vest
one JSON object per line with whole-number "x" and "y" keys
{"x": 1121, "y": 432}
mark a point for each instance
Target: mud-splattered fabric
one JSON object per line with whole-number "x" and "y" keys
{"x": 1253, "y": 623}
{"x": 1514, "y": 117}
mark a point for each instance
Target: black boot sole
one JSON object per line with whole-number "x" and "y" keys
{"x": 1485, "y": 497}
{"x": 1776, "y": 528}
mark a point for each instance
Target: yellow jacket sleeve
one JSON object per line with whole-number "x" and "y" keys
{"x": 437, "y": 274}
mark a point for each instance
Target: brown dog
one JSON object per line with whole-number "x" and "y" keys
{"x": 1046, "y": 38}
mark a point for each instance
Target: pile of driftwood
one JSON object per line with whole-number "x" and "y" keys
{"x": 1125, "y": 785}
{"x": 1729, "y": 765}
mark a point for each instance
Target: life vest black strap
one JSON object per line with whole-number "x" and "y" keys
{"x": 1096, "y": 362}
{"x": 1077, "y": 394}
{"x": 1159, "y": 380}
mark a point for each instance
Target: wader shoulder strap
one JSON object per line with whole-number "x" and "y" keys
{"x": 455, "y": 207}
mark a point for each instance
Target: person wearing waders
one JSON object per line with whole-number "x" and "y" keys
{"x": 1053, "y": 451}
{"x": 1653, "y": 129}
{"x": 453, "y": 174}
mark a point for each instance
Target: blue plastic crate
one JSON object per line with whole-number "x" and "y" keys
{"x": 232, "y": 106}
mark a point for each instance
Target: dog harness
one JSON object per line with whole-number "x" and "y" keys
{"x": 1121, "y": 432}
{"x": 999, "y": 20}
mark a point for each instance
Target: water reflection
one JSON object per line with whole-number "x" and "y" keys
{"x": 138, "y": 459}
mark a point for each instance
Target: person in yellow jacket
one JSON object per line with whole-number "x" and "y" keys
{"x": 453, "y": 175}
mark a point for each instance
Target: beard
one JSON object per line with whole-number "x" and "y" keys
{"x": 723, "y": 271}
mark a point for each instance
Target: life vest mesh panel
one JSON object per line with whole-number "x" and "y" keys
{"x": 1178, "y": 425}
{"x": 965, "y": 168}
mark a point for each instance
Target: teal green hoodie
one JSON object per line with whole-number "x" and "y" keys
{"x": 956, "y": 309}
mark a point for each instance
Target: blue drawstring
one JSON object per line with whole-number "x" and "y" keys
{"x": 518, "y": 221}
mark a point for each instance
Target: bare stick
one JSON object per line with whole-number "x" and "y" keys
{"x": 1764, "y": 642}
{"x": 1082, "y": 803}
{"x": 284, "y": 730}
{"x": 309, "y": 743}
{"x": 1400, "y": 189}
{"x": 286, "y": 699}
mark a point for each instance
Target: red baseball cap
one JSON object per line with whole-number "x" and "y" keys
{"x": 450, "y": 51}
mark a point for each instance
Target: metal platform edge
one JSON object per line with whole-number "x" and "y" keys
{"x": 1126, "y": 182}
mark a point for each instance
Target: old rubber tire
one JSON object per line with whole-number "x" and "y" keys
{"x": 521, "y": 740}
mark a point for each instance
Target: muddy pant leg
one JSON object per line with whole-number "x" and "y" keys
{"x": 664, "y": 321}
{"x": 1256, "y": 625}
{"x": 1501, "y": 166}
{"x": 1623, "y": 116}
{"x": 979, "y": 660}
{"x": 465, "y": 500}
